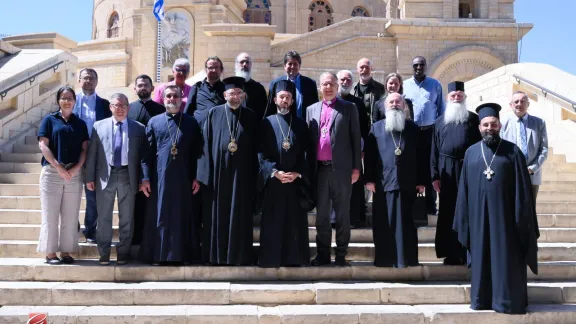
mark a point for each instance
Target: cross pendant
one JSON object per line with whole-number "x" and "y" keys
{"x": 489, "y": 173}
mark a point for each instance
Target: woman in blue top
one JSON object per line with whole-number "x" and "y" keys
{"x": 63, "y": 139}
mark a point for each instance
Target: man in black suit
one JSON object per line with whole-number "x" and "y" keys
{"x": 306, "y": 89}
{"x": 141, "y": 111}
{"x": 335, "y": 160}
{"x": 90, "y": 108}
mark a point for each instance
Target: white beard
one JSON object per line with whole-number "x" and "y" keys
{"x": 365, "y": 78}
{"x": 455, "y": 113}
{"x": 171, "y": 108}
{"x": 283, "y": 111}
{"x": 395, "y": 120}
{"x": 246, "y": 75}
{"x": 344, "y": 91}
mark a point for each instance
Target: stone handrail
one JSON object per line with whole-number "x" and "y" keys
{"x": 545, "y": 90}
{"x": 30, "y": 78}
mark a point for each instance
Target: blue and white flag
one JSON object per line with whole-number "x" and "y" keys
{"x": 159, "y": 9}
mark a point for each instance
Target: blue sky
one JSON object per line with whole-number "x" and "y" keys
{"x": 549, "y": 42}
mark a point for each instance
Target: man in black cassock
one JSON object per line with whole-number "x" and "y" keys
{"x": 394, "y": 162}
{"x": 256, "y": 97}
{"x": 496, "y": 219}
{"x": 283, "y": 170}
{"x": 141, "y": 111}
{"x": 227, "y": 170}
{"x": 171, "y": 234}
{"x": 454, "y": 132}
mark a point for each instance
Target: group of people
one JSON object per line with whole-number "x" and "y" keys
{"x": 192, "y": 165}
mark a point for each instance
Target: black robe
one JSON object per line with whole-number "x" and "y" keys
{"x": 284, "y": 226}
{"x": 171, "y": 233}
{"x": 229, "y": 186}
{"x": 256, "y": 98}
{"x": 142, "y": 112}
{"x": 496, "y": 222}
{"x": 395, "y": 178}
{"x": 449, "y": 144}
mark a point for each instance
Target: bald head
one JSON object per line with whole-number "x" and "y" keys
{"x": 364, "y": 69}
{"x": 395, "y": 101}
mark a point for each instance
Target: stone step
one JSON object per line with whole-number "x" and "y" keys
{"x": 88, "y": 270}
{"x": 558, "y": 186}
{"x": 21, "y": 157}
{"x": 556, "y": 196}
{"x": 27, "y": 148}
{"x": 34, "y": 216}
{"x": 36, "y": 293}
{"x": 555, "y": 207}
{"x": 19, "y": 167}
{"x": 31, "y": 202}
{"x": 30, "y": 232}
{"x": 559, "y": 167}
{"x": 290, "y": 314}
{"x": 20, "y": 178}
{"x": 558, "y": 176}
{"x": 31, "y": 140}
{"x": 544, "y": 220}
{"x": 356, "y": 251}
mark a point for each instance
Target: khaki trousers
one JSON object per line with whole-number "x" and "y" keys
{"x": 60, "y": 208}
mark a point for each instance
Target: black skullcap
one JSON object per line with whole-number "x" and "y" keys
{"x": 234, "y": 82}
{"x": 455, "y": 86}
{"x": 488, "y": 110}
{"x": 285, "y": 85}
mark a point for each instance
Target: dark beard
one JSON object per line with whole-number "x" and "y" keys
{"x": 491, "y": 139}
{"x": 143, "y": 97}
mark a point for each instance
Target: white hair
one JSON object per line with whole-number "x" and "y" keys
{"x": 181, "y": 62}
{"x": 345, "y": 71}
{"x": 244, "y": 53}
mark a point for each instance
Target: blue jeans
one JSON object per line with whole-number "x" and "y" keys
{"x": 91, "y": 214}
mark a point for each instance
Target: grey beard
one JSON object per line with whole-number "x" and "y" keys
{"x": 365, "y": 78}
{"x": 283, "y": 111}
{"x": 395, "y": 120}
{"x": 232, "y": 106}
{"x": 172, "y": 109}
{"x": 456, "y": 113}
{"x": 490, "y": 139}
{"x": 246, "y": 75}
{"x": 344, "y": 91}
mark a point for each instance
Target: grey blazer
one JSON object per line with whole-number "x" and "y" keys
{"x": 100, "y": 153}
{"x": 537, "y": 142}
{"x": 344, "y": 137}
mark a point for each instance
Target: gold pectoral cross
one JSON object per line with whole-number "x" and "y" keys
{"x": 173, "y": 151}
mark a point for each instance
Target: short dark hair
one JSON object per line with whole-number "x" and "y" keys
{"x": 89, "y": 70}
{"x": 214, "y": 58}
{"x": 292, "y": 55}
{"x": 62, "y": 90}
{"x": 420, "y": 57}
{"x": 172, "y": 87}
{"x": 145, "y": 77}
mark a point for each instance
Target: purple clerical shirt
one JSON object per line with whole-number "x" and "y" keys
{"x": 324, "y": 146}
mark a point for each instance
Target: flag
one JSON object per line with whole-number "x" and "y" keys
{"x": 159, "y": 9}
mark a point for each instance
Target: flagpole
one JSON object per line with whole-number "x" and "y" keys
{"x": 159, "y": 53}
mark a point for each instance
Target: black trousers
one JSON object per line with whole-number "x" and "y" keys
{"x": 426, "y": 136}
{"x": 332, "y": 191}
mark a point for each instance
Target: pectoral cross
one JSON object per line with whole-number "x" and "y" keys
{"x": 489, "y": 173}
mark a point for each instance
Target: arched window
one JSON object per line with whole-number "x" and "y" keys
{"x": 360, "y": 12}
{"x": 113, "y": 25}
{"x": 320, "y": 15}
{"x": 258, "y": 12}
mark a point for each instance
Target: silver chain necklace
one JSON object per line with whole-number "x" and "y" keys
{"x": 489, "y": 172}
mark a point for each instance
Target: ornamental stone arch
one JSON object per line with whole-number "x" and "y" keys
{"x": 320, "y": 15}
{"x": 258, "y": 12}
{"x": 464, "y": 63}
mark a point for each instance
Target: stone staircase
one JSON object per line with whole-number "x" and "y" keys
{"x": 431, "y": 293}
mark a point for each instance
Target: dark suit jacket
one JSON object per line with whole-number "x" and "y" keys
{"x": 256, "y": 98}
{"x": 362, "y": 117}
{"x": 379, "y": 111}
{"x": 102, "y": 109}
{"x": 309, "y": 95}
{"x": 143, "y": 114}
{"x": 344, "y": 138}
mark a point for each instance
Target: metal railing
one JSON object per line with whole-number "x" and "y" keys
{"x": 31, "y": 79}
{"x": 544, "y": 90}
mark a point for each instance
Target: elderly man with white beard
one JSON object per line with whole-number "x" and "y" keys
{"x": 394, "y": 171}
{"x": 454, "y": 132}
{"x": 255, "y": 94}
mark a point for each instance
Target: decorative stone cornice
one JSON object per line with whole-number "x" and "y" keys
{"x": 473, "y": 61}
{"x": 239, "y": 30}
{"x": 41, "y": 38}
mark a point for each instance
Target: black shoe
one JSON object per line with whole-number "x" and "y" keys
{"x": 453, "y": 261}
{"x": 67, "y": 259}
{"x": 53, "y": 261}
{"x": 91, "y": 240}
{"x": 341, "y": 262}
{"x": 320, "y": 261}
{"x": 104, "y": 260}
{"x": 123, "y": 259}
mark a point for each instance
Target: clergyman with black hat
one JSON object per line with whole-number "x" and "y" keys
{"x": 283, "y": 173}
{"x": 454, "y": 132}
{"x": 496, "y": 219}
{"x": 227, "y": 171}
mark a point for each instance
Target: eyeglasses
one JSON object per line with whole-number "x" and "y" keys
{"x": 326, "y": 85}
{"x": 87, "y": 78}
{"x": 183, "y": 71}
{"x": 119, "y": 106}
{"x": 235, "y": 94}
{"x": 67, "y": 99}
{"x": 171, "y": 96}
{"x": 418, "y": 64}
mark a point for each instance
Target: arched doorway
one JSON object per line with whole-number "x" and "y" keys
{"x": 320, "y": 15}
{"x": 258, "y": 12}
{"x": 113, "y": 27}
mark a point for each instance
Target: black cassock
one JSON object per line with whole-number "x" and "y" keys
{"x": 449, "y": 144}
{"x": 142, "y": 112}
{"x": 229, "y": 185}
{"x": 395, "y": 178}
{"x": 256, "y": 98}
{"x": 284, "y": 227}
{"x": 496, "y": 221}
{"x": 170, "y": 233}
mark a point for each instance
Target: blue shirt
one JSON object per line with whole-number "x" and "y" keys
{"x": 86, "y": 109}
{"x": 66, "y": 137}
{"x": 426, "y": 98}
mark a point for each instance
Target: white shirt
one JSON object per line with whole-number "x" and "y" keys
{"x": 124, "y": 140}
{"x": 518, "y": 125}
{"x": 87, "y": 109}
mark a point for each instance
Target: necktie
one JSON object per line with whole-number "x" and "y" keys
{"x": 118, "y": 146}
{"x": 523, "y": 140}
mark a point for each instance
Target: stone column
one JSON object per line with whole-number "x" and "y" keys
{"x": 291, "y": 12}
{"x": 392, "y": 9}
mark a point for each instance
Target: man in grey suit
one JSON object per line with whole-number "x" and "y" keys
{"x": 529, "y": 133}
{"x": 117, "y": 145}
{"x": 334, "y": 156}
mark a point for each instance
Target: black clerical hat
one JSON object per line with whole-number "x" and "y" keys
{"x": 489, "y": 109}
{"x": 234, "y": 82}
{"x": 285, "y": 85}
{"x": 455, "y": 86}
